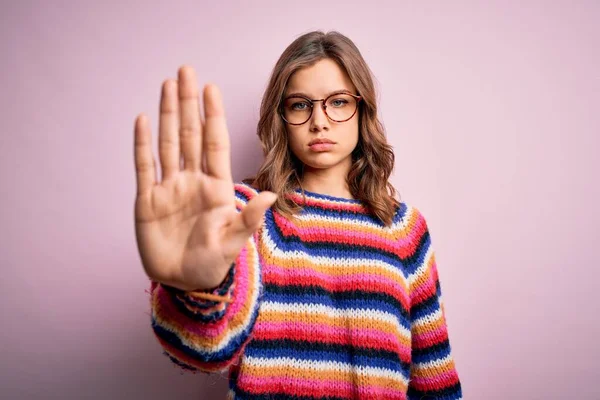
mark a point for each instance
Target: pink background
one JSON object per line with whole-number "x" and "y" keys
{"x": 493, "y": 110}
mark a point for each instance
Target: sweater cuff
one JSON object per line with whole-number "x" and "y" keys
{"x": 205, "y": 305}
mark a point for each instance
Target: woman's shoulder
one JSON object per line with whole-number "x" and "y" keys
{"x": 245, "y": 191}
{"x": 410, "y": 217}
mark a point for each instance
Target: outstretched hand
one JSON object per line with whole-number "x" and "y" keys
{"x": 187, "y": 228}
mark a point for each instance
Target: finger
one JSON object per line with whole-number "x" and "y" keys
{"x": 168, "y": 139}
{"x": 144, "y": 160}
{"x": 251, "y": 216}
{"x": 216, "y": 146}
{"x": 189, "y": 130}
{"x": 202, "y": 130}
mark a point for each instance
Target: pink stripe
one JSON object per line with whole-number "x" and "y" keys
{"x": 342, "y": 235}
{"x": 376, "y": 392}
{"x": 246, "y": 191}
{"x": 317, "y": 229}
{"x": 425, "y": 289}
{"x": 403, "y": 243}
{"x": 325, "y": 203}
{"x": 167, "y": 308}
{"x": 298, "y": 329}
{"x": 240, "y": 291}
{"x": 315, "y": 387}
{"x": 413, "y": 233}
{"x": 431, "y": 337}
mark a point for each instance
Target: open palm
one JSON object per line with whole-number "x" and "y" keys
{"x": 187, "y": 228}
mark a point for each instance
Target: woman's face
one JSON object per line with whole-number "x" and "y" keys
{"x": 318, "y": 82}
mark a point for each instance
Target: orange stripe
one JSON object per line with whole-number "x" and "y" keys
{"x": 400, "y": 232}
{"x": 339, "y": 322}
{"x": 291, "y": 262}
{"x": 426, "y": 328}
{"x": 321, "y": 374}
{"x": 427, "y": 278}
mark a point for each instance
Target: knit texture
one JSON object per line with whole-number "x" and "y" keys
{"x": 331, "y": 304}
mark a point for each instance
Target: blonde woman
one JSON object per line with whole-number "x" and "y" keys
{"x": 310, "y": 280}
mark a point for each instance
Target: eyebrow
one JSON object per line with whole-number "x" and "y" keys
{"x": 296, "y": 94}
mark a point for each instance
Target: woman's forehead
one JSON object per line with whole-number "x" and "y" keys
{"x": 319, "y": 80}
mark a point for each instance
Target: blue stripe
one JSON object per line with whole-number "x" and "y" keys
{"x": 432, "y": 354}
{"x": 345, "y": 252}
{"x": 343, "y": 357}
{"x": 412, "y": 263}
{"x": 426, "y": 308}
{"x": 358, "y": 304}
{"x": 352, "y": 216}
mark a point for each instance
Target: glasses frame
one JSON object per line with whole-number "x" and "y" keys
{"x": 323, "y": 106}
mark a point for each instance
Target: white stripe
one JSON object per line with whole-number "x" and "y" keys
{"x": 427, "y": 319}
{"x": 337, "y": 263}
{"x": 440, "y": 362}
{"x": 422, "y": 269}
{"x": 396, "y": 227}
{"x": 290, "y": 309}
{"x": 321, "y": 366}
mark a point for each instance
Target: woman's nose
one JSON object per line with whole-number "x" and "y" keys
{"x": 319, "y": 117}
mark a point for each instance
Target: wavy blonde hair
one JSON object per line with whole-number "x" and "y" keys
{"x": 372, "y": 159}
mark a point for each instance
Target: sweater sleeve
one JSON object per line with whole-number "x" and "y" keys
{"x": 209, "y": 335}
{"x": 433, "y": 374}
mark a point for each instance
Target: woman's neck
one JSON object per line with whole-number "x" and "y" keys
{"x": 326, "y": 183}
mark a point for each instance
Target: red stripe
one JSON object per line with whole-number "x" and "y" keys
{"x": 339, "y": 237}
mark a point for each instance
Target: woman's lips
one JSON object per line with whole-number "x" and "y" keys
{"x": 321, "y": 146}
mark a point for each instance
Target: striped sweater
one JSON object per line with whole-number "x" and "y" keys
{"x": 329, "y": 305}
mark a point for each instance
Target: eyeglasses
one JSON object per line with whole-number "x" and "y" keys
{"x": 339, "y": 107}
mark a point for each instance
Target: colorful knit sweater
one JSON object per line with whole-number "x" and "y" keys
{"x": 329, "y": 305}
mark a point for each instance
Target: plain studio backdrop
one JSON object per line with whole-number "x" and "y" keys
{"x": 493, "y": 109}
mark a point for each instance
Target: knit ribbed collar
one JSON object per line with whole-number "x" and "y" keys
{"x": 320, "y": 196}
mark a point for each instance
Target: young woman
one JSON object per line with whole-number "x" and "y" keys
{"x": 310, "y": 280}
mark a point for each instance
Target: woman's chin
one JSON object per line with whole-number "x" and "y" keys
{"x": 321, "y": 162}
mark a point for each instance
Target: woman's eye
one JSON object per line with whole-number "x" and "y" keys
{"x": 299, "y": 106}
{"x": 338, "y": 102}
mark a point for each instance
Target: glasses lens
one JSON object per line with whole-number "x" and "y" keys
{"x": 296, "y": 110}
{"x": 340, "y": 107}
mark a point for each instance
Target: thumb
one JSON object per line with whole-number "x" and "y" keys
{"x": 251, "y": 216}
